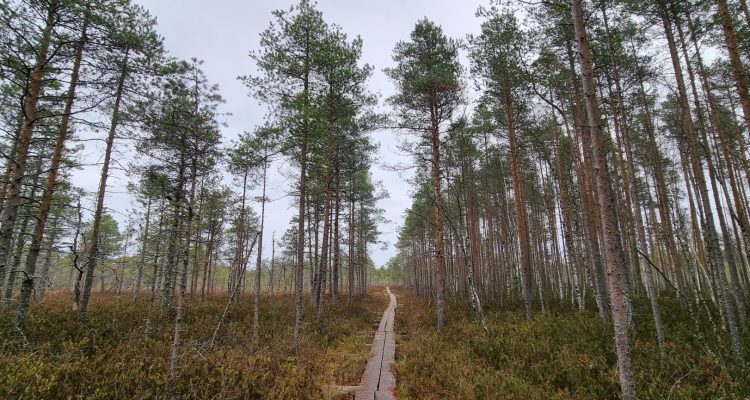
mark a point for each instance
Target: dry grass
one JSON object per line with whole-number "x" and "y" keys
{"x": 112, "y": 358}
{"x": 561, "y": 354}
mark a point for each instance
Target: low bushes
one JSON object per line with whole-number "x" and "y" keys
{"x": 555, "y": 355}
{"x": 113, "y": 358}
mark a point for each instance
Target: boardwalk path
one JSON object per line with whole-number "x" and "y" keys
{"x": 378, "y": 381}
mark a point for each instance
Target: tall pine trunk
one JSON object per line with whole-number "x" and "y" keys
{"x": 183, "y": 276}
{"x": 15, "y": 185}
{"x": 93, "y": 251}
{"x": 713, "y": 249}
{"x": 733, "y": 49}
{"x": 615, "y": 257}
{"x": 521, "y": 215}
{"x": 46, "y": 204}
{"x": 142, "y": 258}
{"x": 256, "y": 309}
{"x": 300, "y": 270}
{"x": 439, "y": 243}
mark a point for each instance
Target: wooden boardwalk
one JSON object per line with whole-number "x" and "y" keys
{"x": 378, "y": 381}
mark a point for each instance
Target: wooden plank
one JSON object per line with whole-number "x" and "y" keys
{"x": 378, "y": 381}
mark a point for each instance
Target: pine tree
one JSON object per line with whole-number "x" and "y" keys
{"x": 427, "y": 76}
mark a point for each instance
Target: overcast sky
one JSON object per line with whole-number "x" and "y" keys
{"x": 222, "y": 32}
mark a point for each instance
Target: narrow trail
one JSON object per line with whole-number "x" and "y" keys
{"x": 378, "y": 381}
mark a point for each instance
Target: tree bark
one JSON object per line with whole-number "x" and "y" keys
{"x": 142, "y": 259}
{"x": 733, "y": 49}
{"x": 298, "y": 278}
{"x": 93, "y": 251}
{"x": 351, "y": 246}
{"x": 715, "y": 256}
{"x": 521, "y": 215}
{"x": 48, "y": 257}
{"x": 588, "y": 191}
{"x": 574, "y": 257}
{"x": 336, "y": 238}
{"x": 723, "y": 226}
{"x": 439, "y": 243}
{"x": 256, "y": 309}
{"x": 615, "y": 257}
{"x": 18, "y": 244}
{"x": 32, "y": 95}
{"x": 183, "y": 276}
{"x": 46, "y": 204}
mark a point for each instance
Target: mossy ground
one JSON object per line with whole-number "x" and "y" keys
{"x": 111, "y": 358}
{"x": 558, "y": 354}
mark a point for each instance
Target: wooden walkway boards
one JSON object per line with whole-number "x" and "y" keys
{"x": 378, "y": 381}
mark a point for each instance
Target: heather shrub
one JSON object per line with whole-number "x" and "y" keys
{"x": 558, "y": 354}
{"x": 112, "y": 357}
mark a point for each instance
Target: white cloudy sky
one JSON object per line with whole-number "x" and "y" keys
{"x": 222, "y": 32}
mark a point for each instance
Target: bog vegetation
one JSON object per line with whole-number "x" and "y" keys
{"x": 579, "y": 226}
{"x": 126, "y": 356}
{"x": 558, "y": 354}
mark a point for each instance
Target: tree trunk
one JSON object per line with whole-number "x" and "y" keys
{"x": 142, "y": 259}
{"x": 17, "y": 250}
{"x": 724, "y": 227}
{"x": 256, "y": 310}
{"x": 183, "y": 276}
{"x": 18, "y": 160}
{"x": 715, "y": 256}
{"x": 336, "y": 238}
{"x": 591, "y": 238}
{"x": 323, "y": 262}
{"x": 9, "y": 169}
{"x": 273, "y": 260}
{"x": 46, "y": 203}
{"x": 574, "y": 257}
{"x": 167, "y": 281}
{"x": 48, "y": 257}
{"x": 298, "y": 278}
{"x": 194, "y": 271}
{"x": 351, "y": 247}
{"x": 239, "y": 266}
{"x": 615, "y": 257}
{"x": 93, "y": 251}
{"x": 327, "y": 212}
{"x": 740, "y": 214}
{"x": 439, "y": 244}
{"x": 521, "y": 215}
{"x": 207, "y": 263}
{"x": 733, "y": 49}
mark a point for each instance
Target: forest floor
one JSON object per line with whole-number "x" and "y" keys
{"x": 112, "y": 357}
{"x": 558, "y": 354}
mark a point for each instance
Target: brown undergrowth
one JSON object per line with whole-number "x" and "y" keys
{"x": 559, "y": 354}
{"x": 113, "y": 358}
